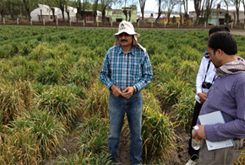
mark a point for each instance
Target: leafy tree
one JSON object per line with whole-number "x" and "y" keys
{"x": 208, "y": 5}
{"x": 104, "y": 4}
{"x": 81, "y": 6}
{"x": 227, "y": 16}
{"x": 3, "y": 4}
{"x": 27, "y": 4}
{"x": 51, "y": 4}
{"x": 11, "y": 8}
{"x": 127, "y": 13}
{"x": 63, "y": 7}
{"x": 170, "y": 4}
{"x": 198, "y": 5}
{"x": 126, "y": 9}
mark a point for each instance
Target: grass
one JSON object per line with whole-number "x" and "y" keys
{"x": 15, "y": 100}
{"x": 59, "y": 101}
{"x": 50, "y": 88}
{"x": 32, "y": 138}
{"x": 97, "y": 101}
{"x": 157, "y": 130}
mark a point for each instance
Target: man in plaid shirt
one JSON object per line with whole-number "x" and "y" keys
{"x": 125, "y": 72}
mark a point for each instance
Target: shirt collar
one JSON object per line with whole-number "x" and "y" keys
{"x": 132, "y": 51}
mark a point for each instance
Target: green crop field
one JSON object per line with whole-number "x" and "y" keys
{"x": 54, "y": 108}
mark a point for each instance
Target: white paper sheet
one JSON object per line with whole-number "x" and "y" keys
{"x": 214, "y": 118}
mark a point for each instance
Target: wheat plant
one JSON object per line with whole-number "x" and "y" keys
{"x": 157, "y": 130}
{"x": 61, "y": 102}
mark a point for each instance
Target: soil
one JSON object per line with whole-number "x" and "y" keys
{"x": 178, "y": 156}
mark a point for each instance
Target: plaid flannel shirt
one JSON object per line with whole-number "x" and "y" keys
{"x": 123, "y": 70}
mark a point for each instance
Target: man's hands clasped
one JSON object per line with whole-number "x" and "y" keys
{"x": 127, "y": 92}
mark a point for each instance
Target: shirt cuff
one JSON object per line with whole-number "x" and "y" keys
{"x": 109, "y": 85}
{"x": 199, "y": 91}
{"x": 137, "y": 86}
{"x": 210, "y": 133}
{"x": 197, "y": 98}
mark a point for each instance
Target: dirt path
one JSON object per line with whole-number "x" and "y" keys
{"x": 178, "y": 156}
{"x": 238, "y": 32}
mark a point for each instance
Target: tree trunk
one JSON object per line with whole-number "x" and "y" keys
{"x": 168, "y": 18}
{"x": 159, "y": 11}
{"x": 237, "y": 16}
{"x": 129, "y": 15}
{"x": 53, "y": 13}
{"x": 126, "y": 14}
{"x": 27, "y": 9}
{"x": 68, "y": 15}
{"x": 103, "y": 14}
{"x": 142, "y": 11}
{"x": 185, "y": 4}
{"x": 95, "y": 10}
{"x": 244, "y": 10}
{"x": 83, "y": 13}
{"x": 79, "y": 9}
{"x": 63, "y": 14}
{"x": 197, "y": 6}
{"x": 2, "y": 13}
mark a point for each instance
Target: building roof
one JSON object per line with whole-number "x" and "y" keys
{"x": 46, "y": 10}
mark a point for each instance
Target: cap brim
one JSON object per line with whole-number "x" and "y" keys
{"x": 125, "y": 31}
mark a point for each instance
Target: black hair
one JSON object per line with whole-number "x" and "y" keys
{"x": 218, "y": 28}
{"x": 224, "y": 41}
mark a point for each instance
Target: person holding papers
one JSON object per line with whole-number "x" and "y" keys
{"x": 227, "y": 95}
{"x": 205, "y": 77}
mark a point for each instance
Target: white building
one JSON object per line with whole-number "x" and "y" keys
{"x": 217, "y": 16}
{"x": 45, "y": 12}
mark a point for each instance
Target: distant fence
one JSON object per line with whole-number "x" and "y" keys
{"x": 112, "y": 24}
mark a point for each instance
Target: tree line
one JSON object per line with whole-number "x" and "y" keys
{"x": 19, "y": 8}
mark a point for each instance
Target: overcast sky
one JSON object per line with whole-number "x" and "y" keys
{"x": 151, "y": 5}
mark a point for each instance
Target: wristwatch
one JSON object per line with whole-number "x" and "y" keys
{"x": 135, "y": 89}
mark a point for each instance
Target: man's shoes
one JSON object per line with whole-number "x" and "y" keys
{"x": 191, "y": 162}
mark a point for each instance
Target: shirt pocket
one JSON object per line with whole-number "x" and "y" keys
{"x": 135, "y": 71}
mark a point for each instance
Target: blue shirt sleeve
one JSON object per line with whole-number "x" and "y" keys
{"x": 105, "y": 72}
{"x": 147, "y": 74}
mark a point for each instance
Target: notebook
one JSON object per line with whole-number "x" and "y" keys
{"x": 213, "y": 118}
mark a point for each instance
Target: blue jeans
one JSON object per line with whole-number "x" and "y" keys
{"x": 133, "y": 108}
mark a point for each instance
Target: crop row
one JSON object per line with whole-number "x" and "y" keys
{"x": 50, "y": 92}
